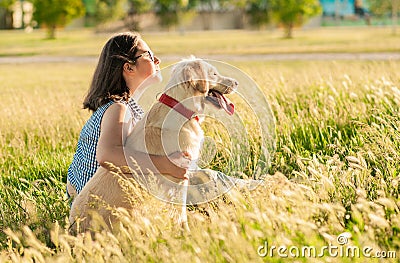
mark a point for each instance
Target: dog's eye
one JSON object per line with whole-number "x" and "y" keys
{"x": 215, "y": 73}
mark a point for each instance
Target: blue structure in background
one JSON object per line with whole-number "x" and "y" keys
{"x": 338, "y": 7}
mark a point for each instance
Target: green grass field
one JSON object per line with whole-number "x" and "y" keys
{"x": 87, "y": 43}
{"x": 335, "y": 169}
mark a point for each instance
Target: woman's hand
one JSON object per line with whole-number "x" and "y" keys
{"x": 176, "y": 164}
{"x": 181, "y": 159}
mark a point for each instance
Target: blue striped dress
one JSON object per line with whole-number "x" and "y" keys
{"x": 84, "y": 163}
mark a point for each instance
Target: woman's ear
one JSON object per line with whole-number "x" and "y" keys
{"x": 128, "y": 67}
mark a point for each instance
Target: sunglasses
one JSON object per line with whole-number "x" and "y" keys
{"x": 147, "y": 53}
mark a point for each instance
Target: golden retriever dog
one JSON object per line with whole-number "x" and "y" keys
{"x": 171, "y": 125}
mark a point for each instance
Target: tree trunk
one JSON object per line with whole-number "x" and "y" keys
{"x": 51, "y": 32}
{"x": 289, "y": 30}
{"x": 22, "y": 14}
{"x": 6, "y": 19}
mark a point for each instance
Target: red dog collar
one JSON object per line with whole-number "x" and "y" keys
{"x": 177, "y": 106}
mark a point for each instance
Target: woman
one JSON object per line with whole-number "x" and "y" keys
{"x": 125, "y": 65}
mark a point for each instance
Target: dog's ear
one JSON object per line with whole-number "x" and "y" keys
{"x": 196, "y": 77}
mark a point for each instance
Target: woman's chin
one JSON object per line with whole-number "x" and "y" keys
{"x": 156, "y": 77}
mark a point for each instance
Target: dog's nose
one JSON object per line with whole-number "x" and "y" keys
{"x": 235, "y": 84}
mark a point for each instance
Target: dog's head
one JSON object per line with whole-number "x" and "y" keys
{"x": 197, "y": 79}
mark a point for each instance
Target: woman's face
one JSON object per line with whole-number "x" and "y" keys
{"x": 146, "y": 63}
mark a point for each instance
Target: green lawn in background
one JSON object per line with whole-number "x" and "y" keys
{"x": 201, "y": 43}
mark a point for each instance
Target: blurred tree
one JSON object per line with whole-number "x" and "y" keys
{"x": 361, "y": 11}
{"x": 98, "y": 12}
{"x": 110, "y": 10}
{"x": 56, "y": 13}
{"x": 90, "y": 12}
{"x": 381, "y": 8}
{"x": 135, "y": 9}
{"x": 6, "y": 5}
{"x": 294, "y": 12}
{"x": 174, "y": 12}
{"x": 259, "y": 12}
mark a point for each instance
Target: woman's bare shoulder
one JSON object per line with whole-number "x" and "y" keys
{"x": 116, "y": 112}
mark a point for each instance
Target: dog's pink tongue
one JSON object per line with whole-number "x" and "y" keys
{"x": 227, "y": 105}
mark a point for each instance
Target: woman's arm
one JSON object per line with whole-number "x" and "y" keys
{"x": 110, "y": 147}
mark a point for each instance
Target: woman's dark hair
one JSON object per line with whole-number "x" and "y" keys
{"x": 108, "y": 82}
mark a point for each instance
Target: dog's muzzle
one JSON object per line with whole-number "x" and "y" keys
{"x": 217, "y": 99}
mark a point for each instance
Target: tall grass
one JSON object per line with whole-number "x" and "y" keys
{"x": 335, "y": 170}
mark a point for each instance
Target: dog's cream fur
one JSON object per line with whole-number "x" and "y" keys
{"x": 162, "y": 131}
